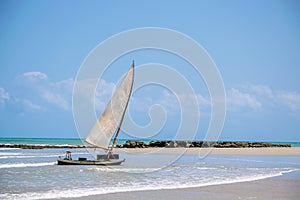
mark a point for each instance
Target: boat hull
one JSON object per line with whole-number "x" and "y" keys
{"x": 89, "y": 162}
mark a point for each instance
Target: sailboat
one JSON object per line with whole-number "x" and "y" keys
{"x": 108, "y": 125}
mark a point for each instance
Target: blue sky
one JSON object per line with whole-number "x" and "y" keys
{"x": 255, "y": 45}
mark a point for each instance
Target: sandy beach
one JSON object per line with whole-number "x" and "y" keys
{"x": 294, "y": 151}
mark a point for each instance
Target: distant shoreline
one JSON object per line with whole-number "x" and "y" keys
{"x": 133, "y": 144}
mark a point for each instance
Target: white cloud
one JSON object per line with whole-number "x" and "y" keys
{"x": 59, "y": 93}
{"x": 237, "y": 99}
{"x": 251, "y": 97}
{"x": 203, "y": 102}
{"x": 87, "y": 94}
{"x": 32, "y": 106}
{"x": 56, "y": 99}
{"x": 262, "y": 90}
{"x": 64, "y": 84}
{"x": 34, "y": 76}
{"x": 168, "y": 101}
{"x": 37, "y": 87}
{"x": 4, "y": 96}
{"x": 256, "y": 96}
{"x": 103, "y": 94}
{"x": 289, "y": 99}
{"x": 41, "y": 90}
{"x": 171, "y": 103}
{"x": 45, "y": 92}
{"x": 144, "y": 101}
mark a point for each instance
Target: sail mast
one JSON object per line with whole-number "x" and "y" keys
{"x": 119, "y": 127}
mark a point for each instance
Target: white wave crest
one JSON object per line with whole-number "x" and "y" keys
{"x": 9, "y": 154}
{"x": 3, "y": 149}
{"x": 23, "y": 155}
{"x": 132, "y": 170}
{"x": 13, "y": 165}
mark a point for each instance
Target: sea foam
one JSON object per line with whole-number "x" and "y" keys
{"x": 72, "y": 193}
{"x": 13, "y": 165}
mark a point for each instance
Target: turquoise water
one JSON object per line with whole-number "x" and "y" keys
{"x": 50, "y": 141}
{"x": 294, "y": 144}
{"x": 53, "y": 141}
{"x": 78, "y": 141}
{"x": 43, "y": 141}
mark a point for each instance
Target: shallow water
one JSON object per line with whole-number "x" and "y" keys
{"x": 33, "y": 174}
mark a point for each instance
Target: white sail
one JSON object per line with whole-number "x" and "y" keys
{"x": 107, "y": 124}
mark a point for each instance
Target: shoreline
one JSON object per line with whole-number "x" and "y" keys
{"x": 285, "y": 186}
{"x": 268, "y": 151}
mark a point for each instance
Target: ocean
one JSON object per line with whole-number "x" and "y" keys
{"x": 33, "y": 173}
